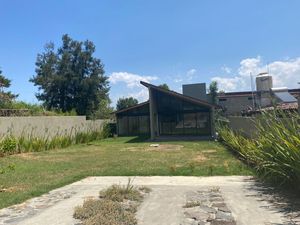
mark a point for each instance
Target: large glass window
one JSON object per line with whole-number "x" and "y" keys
{"x": 134, "y": 122}
{"x": 178, "y": 117}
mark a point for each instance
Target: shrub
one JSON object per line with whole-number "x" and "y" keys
{"x": 109, "y": 129}
{"x": 116, "y": 206}
{"x": 275, "y": 153}
{"x": 8, "y": 145}
{"x": 104, "y": 212}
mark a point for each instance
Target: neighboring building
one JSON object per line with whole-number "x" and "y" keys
{"x": 169, "y": 113}
{"x": 235, "y": 103}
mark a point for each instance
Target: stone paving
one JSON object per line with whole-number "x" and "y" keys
{"x": 17, "y": 213}
{"x": 207, "y": 207}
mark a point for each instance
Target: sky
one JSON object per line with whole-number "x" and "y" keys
{"x": 170, "y": 41}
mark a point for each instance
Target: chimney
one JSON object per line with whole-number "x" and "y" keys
{"x": 195, "y": 90}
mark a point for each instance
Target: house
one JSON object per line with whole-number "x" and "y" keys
{"x": 265, "y": 96}
{"x": 168, "y": 113}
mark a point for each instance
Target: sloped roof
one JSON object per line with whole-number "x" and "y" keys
{"x": 132, "y": 107}
{"x": 178, "y": 95}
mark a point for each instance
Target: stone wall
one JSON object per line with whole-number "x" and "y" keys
{"x": 47, "y": 126}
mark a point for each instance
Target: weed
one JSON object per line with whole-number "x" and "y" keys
{"x": 145, "y": 189}
{"x": 192, "y": 166}
{"x": 173, "y": 169}
{"x": 120, "y": 193}
{"x": 192, "y": 204}
{"x": 111, "y": 209}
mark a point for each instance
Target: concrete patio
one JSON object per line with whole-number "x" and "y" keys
{"x": 243, "y": 198}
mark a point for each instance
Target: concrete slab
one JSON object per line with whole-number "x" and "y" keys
{"x": 163, "y": 206}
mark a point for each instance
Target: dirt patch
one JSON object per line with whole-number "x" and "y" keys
{"x": 199, "y": 158}
{"x": 132, "y": 149}
{"x": 12, "y": 189}
{"x": 28, "y": 156}
{"x": 209, "y": 151}
{"x": 155, "y": 148}
{"x": 164, "y": 147}
{"x": 32, "y": 156}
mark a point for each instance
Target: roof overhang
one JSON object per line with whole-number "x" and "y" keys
{"x": 178, "y": 95}
{"x": 132, "y": 107}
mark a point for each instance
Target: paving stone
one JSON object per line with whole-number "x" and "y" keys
{"x": 224, "y": 216}
{"x": 217, "y": 222}
{"x": 224, "y": 209}
{"x": 219, "y": 204}
{"x": 196, "y": 214}
{"x": 216, "y": 200}
{"x": 189, "y": 221}
{"x": 207, "y": 209}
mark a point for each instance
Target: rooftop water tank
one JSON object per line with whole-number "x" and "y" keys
{"x": 264, "y": 82}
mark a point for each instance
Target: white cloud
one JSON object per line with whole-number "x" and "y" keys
{"x": 284, "y": 73}
{"x": 177, "y": 80}
{"x": 141, "y": 95}
{"x": 131, "y": 80}
{"x": 129, "y": 85}
{"x": 226, "y": 69}
{"x": 191, "y": 73}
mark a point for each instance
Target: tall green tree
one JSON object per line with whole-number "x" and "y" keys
{"x": 6, "y": 97}
{"x": 126, "y": 102}
{"x": 213, "y": 91}
{"x": 71, "y": 78}
{"x": 164, "y": 86}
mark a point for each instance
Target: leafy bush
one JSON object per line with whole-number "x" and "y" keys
{"x": 8, "y": 145}
{"x": 36, "y": 109}
{"x": 275, "y": 153}
{"x": 109, "y": 129}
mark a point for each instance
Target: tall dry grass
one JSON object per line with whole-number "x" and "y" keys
{"x": 30, "y": 142}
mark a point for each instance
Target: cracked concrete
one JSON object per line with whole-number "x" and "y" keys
{"x": 163, "y": 206}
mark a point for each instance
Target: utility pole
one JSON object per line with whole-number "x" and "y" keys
{"x": 253, "y": 101}
{"x": 299, "y": 101}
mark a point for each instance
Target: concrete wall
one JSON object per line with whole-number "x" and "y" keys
{"x": 244, "y": 125}
{"x": 234, "y": 105}
{"x": 47, "y": 126}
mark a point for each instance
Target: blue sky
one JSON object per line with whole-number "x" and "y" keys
{"x": 173, "y": 42}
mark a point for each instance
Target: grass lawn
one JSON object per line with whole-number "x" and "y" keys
{"x": 40, "y": 172}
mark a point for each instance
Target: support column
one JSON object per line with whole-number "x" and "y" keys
{"x": 299, "y": 103}
{"x": 212, "y": 122}
{"x": 153, "y": 114}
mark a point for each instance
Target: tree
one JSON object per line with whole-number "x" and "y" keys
{"x": 213, "y": 91}
{"x": 126, "y": 102}
{"x": 6, "y": 97}
{"x": 71, "y": 78}
{"x": 164, "y": 86}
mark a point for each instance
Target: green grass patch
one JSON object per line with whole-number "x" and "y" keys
{"x": 39, "y": 172}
